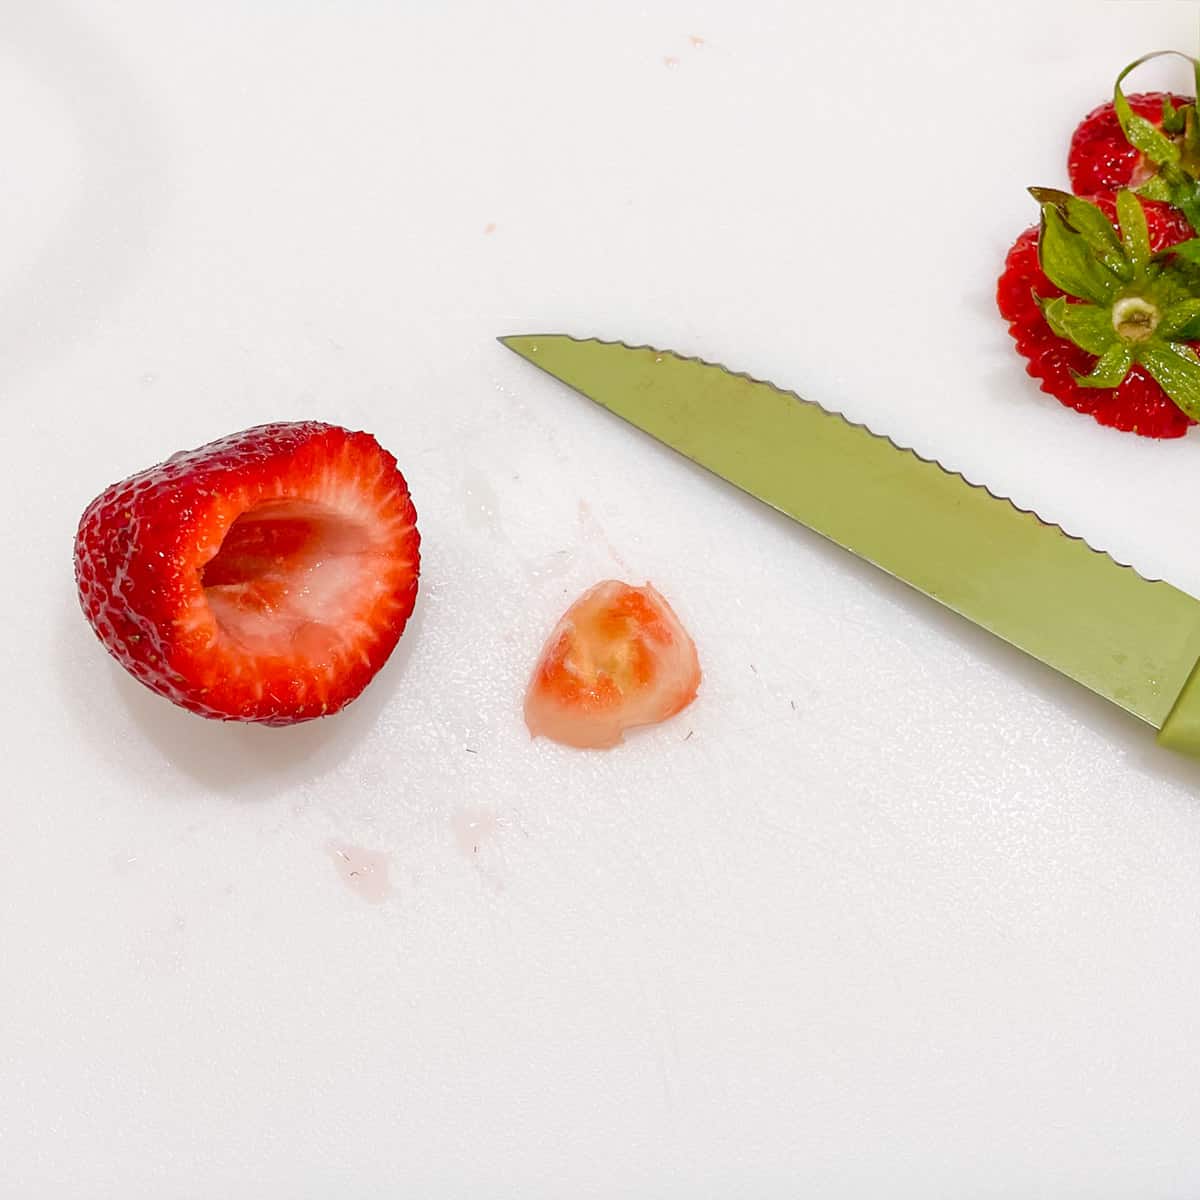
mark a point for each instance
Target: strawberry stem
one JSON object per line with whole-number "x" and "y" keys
{"x": 1135, "y": 319}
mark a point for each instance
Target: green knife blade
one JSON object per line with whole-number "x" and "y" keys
{"x": 1134, "y": 641}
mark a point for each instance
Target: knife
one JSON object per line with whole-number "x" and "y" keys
{"x": 1134, "y": 641}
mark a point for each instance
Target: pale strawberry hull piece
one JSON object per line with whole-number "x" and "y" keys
{"x": 264, "y": 577}
{"x": 619, "y": 658}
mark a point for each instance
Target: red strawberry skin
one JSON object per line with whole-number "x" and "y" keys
{"x": 1100, "y": 159}
{"x": 1137, "y": 404}
{"x": 264, "y": 577}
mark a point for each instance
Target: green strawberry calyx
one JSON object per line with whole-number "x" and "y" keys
{"x": 1123, "y": 303}
{"x": 1174, "y": 150}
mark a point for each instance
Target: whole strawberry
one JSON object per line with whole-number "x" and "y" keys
{"x": 263, "y": 577}
{"x": 1104, "y": 302}
{"x": 1102, "y": 159}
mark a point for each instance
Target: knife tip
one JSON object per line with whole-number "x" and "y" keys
{"x": 524, "y": 344}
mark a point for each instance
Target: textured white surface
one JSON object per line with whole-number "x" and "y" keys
{"x": 891, "y": 910}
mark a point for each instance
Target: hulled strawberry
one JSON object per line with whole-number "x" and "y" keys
{"x": 263, "y": 577}
{"x": 1149, "y": 141}
{"x": 1104, "y": 302}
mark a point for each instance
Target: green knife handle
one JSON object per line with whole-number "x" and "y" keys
{"x": 1181, "y": 729}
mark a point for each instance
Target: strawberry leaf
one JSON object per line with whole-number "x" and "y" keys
{"x": 1112, "y": 366}
{"x": 1177, "y": 280}
{"x": 1176, "y": 369}
{"x": 1070, "y": 264}
{"x": 1089, "y": 221}
{"x": 1172, "y": 117}
{"x": 1089, "y": 327}
{"x": 1140, "y": 133}
{"x": 1189, "y": 251}
{"x": 1155, "y": 188}
{"x": 1190, "y": 154}
{"x": 1183, "y": 191}
{"x": 1135, "y": 234}
{"x": 1181, "y": 322}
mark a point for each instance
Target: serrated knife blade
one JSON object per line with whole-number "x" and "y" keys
{"x": 1134, "y": 641}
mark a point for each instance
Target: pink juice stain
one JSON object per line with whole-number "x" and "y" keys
{"x": 363, "y": 871}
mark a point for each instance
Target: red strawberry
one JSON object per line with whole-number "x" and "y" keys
{"x": 1101, "y": 159}
{"x": 263, "y": 577}
{"x": 1107, "y": 329}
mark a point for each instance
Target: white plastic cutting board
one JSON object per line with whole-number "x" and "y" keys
{"x": 890, "y": 911}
